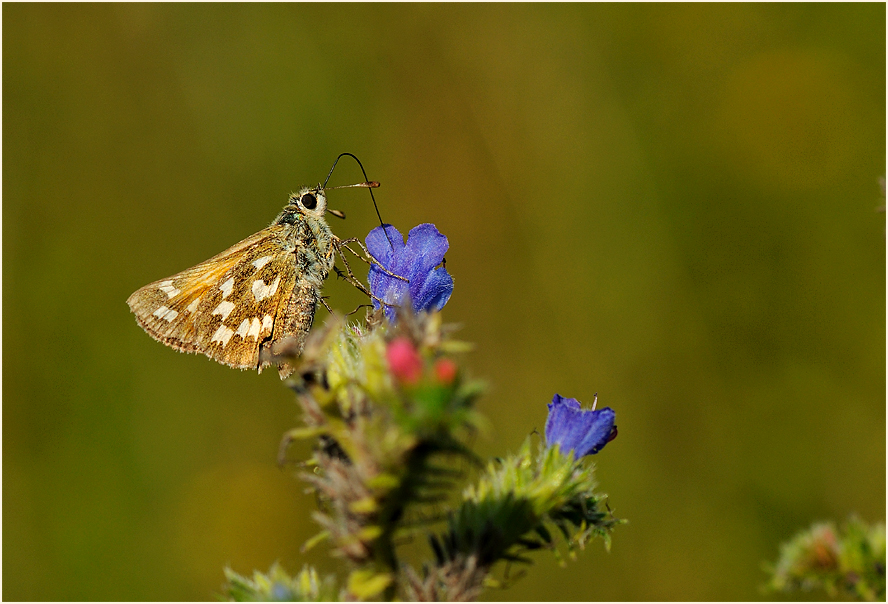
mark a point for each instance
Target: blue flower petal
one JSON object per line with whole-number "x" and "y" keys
{"x": 425, "y": 247}
{"x": 382, "y": 285}
{"x": 583, "y": 431}
{"x": 434, "y": 292}
{"x": 378, "y": 244}
{"x": 429, "y": 288}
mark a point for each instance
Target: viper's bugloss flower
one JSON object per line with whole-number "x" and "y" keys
{"x": 419, "y": 261}
{"x": 583, "y": 431}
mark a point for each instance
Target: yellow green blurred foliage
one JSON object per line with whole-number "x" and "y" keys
{"x": 673, "y": 206}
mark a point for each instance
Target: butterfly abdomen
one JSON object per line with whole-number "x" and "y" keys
{"x": 295, "y": 321}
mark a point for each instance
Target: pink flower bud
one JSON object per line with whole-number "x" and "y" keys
{"x": 404, "y": 361}
{"x": 445, "y": 371}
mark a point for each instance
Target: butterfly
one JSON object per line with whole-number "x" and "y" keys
{"x": 239, "y": 305}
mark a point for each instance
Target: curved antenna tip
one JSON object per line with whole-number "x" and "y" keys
{"x": 366, "y": 185}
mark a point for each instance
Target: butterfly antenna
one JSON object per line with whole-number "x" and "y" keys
{"x": 370, "y": 185}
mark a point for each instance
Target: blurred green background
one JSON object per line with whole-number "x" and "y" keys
{"x": 673, "y": 206}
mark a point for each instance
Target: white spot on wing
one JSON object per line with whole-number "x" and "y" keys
{"x": 167, "y": 314}
{"x": 267, "y": 323}
{"x": 193, "y": 306}
{"x": 249, "y": 327}
{"x": 225, "y": 307}
{"x": 227, "y": 287}
{"x": 167, "y": 288}
{"x": 243, "y": 328}
{"x": 260, "y": 262}
{"x": 223, "y": 334}
{"x": 255, "y": 327}
{"x": 262, "y": 291}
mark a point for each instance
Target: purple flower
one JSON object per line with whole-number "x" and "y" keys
{"x": 583, "y": 431}
{"x": 419, "y": 261}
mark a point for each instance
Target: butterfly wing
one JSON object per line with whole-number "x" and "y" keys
{"x": 231, "y": 305}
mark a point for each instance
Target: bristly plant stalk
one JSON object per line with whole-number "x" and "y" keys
{"x": 389, "y": 408}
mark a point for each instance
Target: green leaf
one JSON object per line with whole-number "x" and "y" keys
{"x": 367, "y": 584}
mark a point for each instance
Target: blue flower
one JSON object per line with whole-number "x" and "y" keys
{"x": 582, "y": 431}
{"x": 419, "y": 261}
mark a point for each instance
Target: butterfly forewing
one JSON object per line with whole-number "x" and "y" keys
{"x": 229, "y": 306}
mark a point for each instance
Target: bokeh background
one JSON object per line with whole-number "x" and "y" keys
{"x": 674, "y": 206}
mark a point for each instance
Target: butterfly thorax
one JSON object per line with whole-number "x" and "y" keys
{"x": 308, "y": 234}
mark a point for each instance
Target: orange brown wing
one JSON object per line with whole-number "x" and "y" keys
{"x": 227, "y": 307}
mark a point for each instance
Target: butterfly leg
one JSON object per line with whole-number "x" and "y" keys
{"x": 359, "y": 307}
{"x": 350, "y": 276}
{"x": 323, "y": 300}
{"x": 344, "y": 243}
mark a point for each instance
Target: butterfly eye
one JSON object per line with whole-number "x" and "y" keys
{"x": 309, "y": 201}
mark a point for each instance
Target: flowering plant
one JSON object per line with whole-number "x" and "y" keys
{"x": 847, "y": 562}
{"x": 391, "y": 410}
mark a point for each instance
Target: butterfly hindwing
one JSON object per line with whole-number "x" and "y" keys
{"x": 229, "y": 306}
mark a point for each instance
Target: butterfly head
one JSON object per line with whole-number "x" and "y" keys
{"x": 308, "y": 202}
